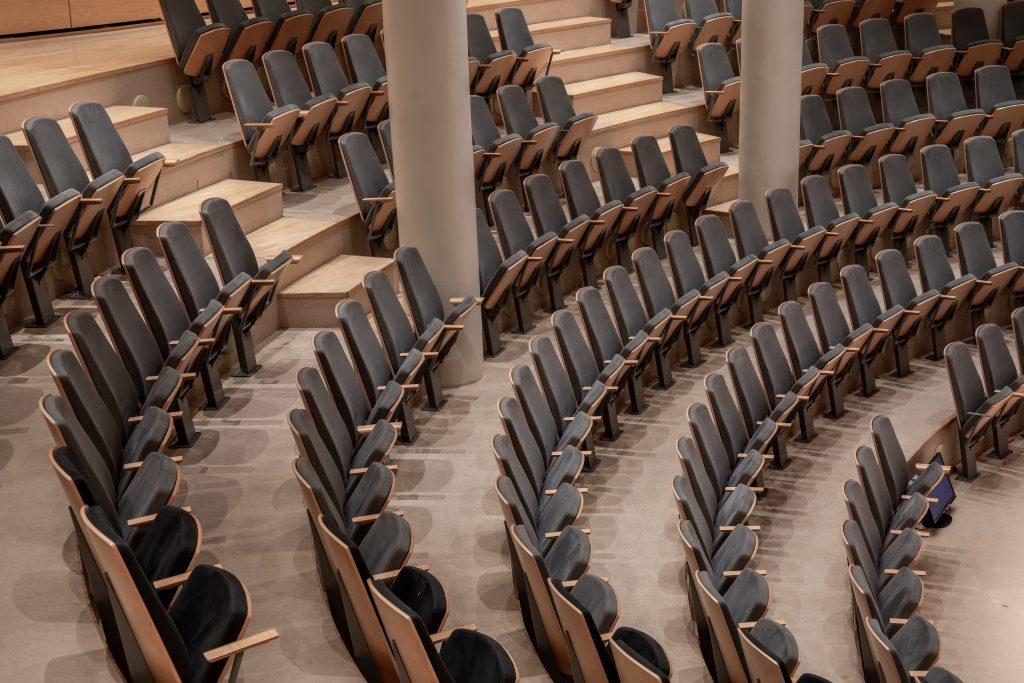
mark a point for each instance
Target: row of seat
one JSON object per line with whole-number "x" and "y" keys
{"x": 885, "y": 505}
{"x": 199, "y": 47}
{"x": 120, "y": 401}
{"x": 79, "y": 203}
{"x": 521, "y": 61}
{"x": 672, "y": 35}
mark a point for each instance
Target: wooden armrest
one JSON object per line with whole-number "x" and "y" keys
{"x": 132, "y": 181}
{"x": 233, "y": 310}
{"x": 922, "y": 466}
{"x": 366, "y": 519}
{"x": 534, "y": 259}
{"x": 755, "y": 489}
{"x": 893, "y": 572}
{"x": 755, "y": 527}
{"x": 798, "y": 247}
{"x": 138, "y": 463}
{"x": 630, "y": 208}
{"x": 564, "y": 240}
{"x": 176, "y": 580}
{"x": 134, "y": 419}
{"x": 745, "y": 625}
{"x": 366, "y": 429}
{"x": 380, "y": 200}
{"x": 90, "y": 201}
{"x": 442, "y": 636}
{"x": 239, "y": 646}
{"x": 454, "y": 327}
{"x": 386, "y": 576}
{"x": 491, "y": 155}
{"x": 733, "y": 572}
{"x": 259, "y": 124}
{"x": 358, "y": 471}
{"x": 12, "y": 249}
{"x": 148, "y": 519}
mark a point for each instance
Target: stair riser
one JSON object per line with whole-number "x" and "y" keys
{"x": 348, "y": 237}
{"x": 251, "y": 215}
{"x": 318, "y": 311}
{"x": 549, "y": 10}
{"x": 182, "y": 179}
{"x": 622, "y": 136}
{"x": 574, "y": 38}
{"x": 619, "y": 98}
{"x": 727, "y": 190}
{"x": 598, "y": 67}
{"x": 710, "y": 147}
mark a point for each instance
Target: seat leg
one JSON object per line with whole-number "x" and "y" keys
{"x": 723, "y": 328}
{"x": 664, "y": 367}
{"x": 789, "y": 287}
{"x": 610, "y": 421}
{"x": 303, "y": 176}
{"x": 555, "y": 300}
{"x": 779, "y": 450}
{"x": 588, "y": 271}
{"x": 409, "y": 432}
{"x": 668, "y": 84}
{"x": 824, "y": 271}
{"x": 902, "y": 359}
{"x": 262, "y": 172}
{"x": 213, "y": 388}
{"x": 968, "y": 464}
{"x": 835, "y": 400}
{"x": 42, "y": 304}
{"x": 658, "y": 238}
{"x": 247, "y": 365}
{"x": 82, "y": 273}
{"x": 492, "y": 336}
{"x": 806, "y": 419}
{"x": 938, "y": 341}
{"x": 122, "y": 234}
{"x": 867, "y": 379}
{"x": 1000, "y": 444}
{"x": 339, "y": 165}
{"x": 435, "y": 394}
{"x": 199, "y": 99}
{"x": 185, "y": 433}
{"x": 524, "y": 313}
{"x": 622, "y": 253}
{"x": 860, "y": 257}
{"x": 722, "y": 130}
{"x": 693, "y": 356}
{"x": 7, "y": 346}
{"x": 977, "y": 320}
{"x": 635, "y": 385}
{"x": 755, "y": 307}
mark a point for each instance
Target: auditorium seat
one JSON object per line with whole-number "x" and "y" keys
{"x": 249, "y": 35}
{"x": 54, "y": 217}
{"x": 956, "y": 198}
{"x": 637, "y": 203}
{"x": 898, "y": 657}
{"x": 974, "y": 253}
{"x": 368, "y": 19}
{"x": 556, "y": 107}
{"x": 974, "y": 47}
{"x": 577, "y": 235}
{"x": 892, "y": 518}
{"x": 893, "y": 605}
{"x": 579, "y": 361}
{"x": 607, "y": 346}
{"x": 374, "y": 191}
{"x": 713, "y": 25}
{"x": 828, "y": 145}
{"x": 998, "y": 190}
{"x": 744, "y": 276}
{"x": 849, "y": 230}
{"x": 936, "y": 273}
{"x": 878, "y": 44}
{"x": 198, "y": 48}
{"x": 900, "y": 108}
{"x": 716, "y": 288}
{"x": 330, "y": 21}
{"x": 494, "y": 67}
{"x": 552, "y": 436}
{"x": 546, "y": 471}
{"x": 582, "y": 200}
{"x": 716, "y": 515}
{"x": 704, "y": 177}
{"x": 364, "y": 66}
{"x": 498, "y": 152}
{"x": 825, "y": 12}
{"x": 669, "y": 33}
{"x": 532, "y": 59}
{"x": 266, "y": 130}
{"x": 821, "y": 248}
{"x": 846, "y": 69}
{"x": 62, "y": 170}
{"x": 16, "y": 240}
{"x": 783, "y": 386}
{"x": 772, "y": 650}
{"x": 516, "y": 235}
{"x": 721, "y": 88}
{"x": 753, "y": 399}
{"x": 955, "y": 120}
{"x": 291, "y": 26}
{"x": 914, "y": 207}
{"x": 498, "y": 277}
{"x": 805, "y": 353}
{"x": 632, "y": 322}
{"x": 1011, "y": 24}
{"x": 884, "y": 565}
{"x": 288, "y": 87}
{"x": 995, "y": 95}
{"x": 745, "y": 602}
{"x": 141, "y": 354}
{"x": 977, "y": 411}
{"x": 653, "y": 171}
{"x": 997, "y": 367}
{"x": 929, "y": 306}
{"x": 876, "y": 219}
{"x": 930, "y": 53}
{"x": 894, "y": 464}
{"x": 870, "y": 138}
{"x": 538, "y": 136}
{"x": 328, "y": 78}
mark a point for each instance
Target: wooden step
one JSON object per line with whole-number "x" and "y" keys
{"x": 606, "y": 94}
{"x": 537, "y": 11}
{"x": 141, "y": 128}
{"x": 708, "y": 143}
{"x": 729, "y": 189}
{"x": 190, "y": 166}
{"x": 255, "y": 204}
{"x": 311, "y": 300}
{"x": 618, "y": 128}
{"x": 944, "y": 14}
{"x": 618, "y": 57}
{"x": 569, "y": 34}
{"x": 316, "y": 241}
{"x": 722, "y": 211}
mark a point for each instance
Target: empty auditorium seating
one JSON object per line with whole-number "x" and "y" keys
{"x": 721, "y": 88}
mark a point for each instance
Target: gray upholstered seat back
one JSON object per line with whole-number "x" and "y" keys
{"x": 108, "y": 374}
{"x": 718, "y": 254}
{"x": 578, "y": 358}
{"x": 513, "y": 229}
{"x": 516, "y": 111}
{"x": 858, "y": 196}
{"x": 163, "y": 310}
{"x": 553, "y": 377}
{"x": 969, "y": 26}
{"x": 103, "y": 146}
{"x": 828, "y": 316}
{"x": 272, "y": 9}
{"x": 834, "y": 44}
{"x": 579, "y": 191}
{"x": 487, "y": 250}
{"x": 650, "y": 162}
{"x": 897, "y": 178}
{"x": 554, "y": 100}
{"x": 862, "y": 513}
{"x": 364, "y": 167}
{"x": 860, "y": 296}
{"x": 803, "y": 348}
{"x": 325, "y": 415}
{"x": 922, "y": 32}
{"x": 420, "y": 290}
{"x": 363, "y": 60}
{"x": 512, "y": 466}
{"x": 701, "y": 9}
{"x": 18, "y": 191}
{"x": 750, "y": 235}
{"x": 512, "y": 29}
{"x": 819, "y": 203}
{"x": 717, "y": 460}
{"x": 855, "y": 112}
{"x": 182, "y": 18}
{"x": 975, "y": 252}
{"x": 58, "y": 163}
{"x": 604, "y": 339}
{"x": 875, "y": 489}
{"x": 784, "y": 214}
{"x": 545, "y": 207}
{"x": 771, "y": 360}
{"x": 531, "y": 454}
{"x": 897, "y": 286}
{"x": 134, "y": 341}
{"x": 1012, "y": 23}
{"x": 749, "y": 390}
{"x": 91, "y": 466}
{"x": 192, "y": 275}
{"x": 890, "y": 455}
{"x": 106, "y": 432}
{"x": 1012, "y": 235}
{"x": 715, "y": 67}
{"x": 286, "y": 79}
{"x": 686, "y": 270}
{"x": 341, "y": 379}
{"x": 727, "y": 413}
{"x": 616, "y": 182}
{"x": 481, "y": 45}
{"x": 997, "y": 364}
{"x": 626, "y": 304}
{"x": 814, "y": 120}
{"x": 700, "y": 480}
{"x": 876, "y": 38}
{"x": 660, "y": 13}
{"x": 994, "y": 86}
{"x": 936, "y": 272}
{"x": 485, "y": 131}
{"x": 325, "y": 72}
{"x": 330, "y": 511}
{"x": 395, "y": 329}
{"x": 968, "y": 391}
{"x": 251, "y": 101}
{"x": 227, "y": 12}
{"x": 654, "y": 284}
{"x": 984, "y": 161}
{"x": 898, "y": 101}
{"x": 231, "y": 248}
{"x": 686, "y": 149}
{"x": 367, "y": 353}
{"x": 534, "y": 406}
{"x": 315, "y": 450}
{"x": 945, "y": 96}
{"x": 939, "y": 168}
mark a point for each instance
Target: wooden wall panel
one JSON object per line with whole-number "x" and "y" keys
{"x": 99, "y": 12}
{"x": 28, "y": 16}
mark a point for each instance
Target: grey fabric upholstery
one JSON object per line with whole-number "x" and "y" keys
{"x": 1012, "y": 235}
{"x": 558, "y": 387}
{"x": 346, "y": 389}
{"x": 252, "y": 104}
{"x": 922, "y": 32}
{"x": 578, "y": 357}
{"x": 946, "y": 98}
{"x": 899, "y": 106}
{"x": 894, "y": 463}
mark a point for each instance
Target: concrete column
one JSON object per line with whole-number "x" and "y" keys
{"x": 770, "y": 98}
{"x": 991, "y": 8}
{"x": 430, "y": 126}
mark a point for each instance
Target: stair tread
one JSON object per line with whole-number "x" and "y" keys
{"x": 186, "y": 209}
{"x": 337, "y": 277}
{"x": 286, "y": 234}
{"x": 595, "y": 51}
{"x": 665, "y": 144}
{"x": 178, "y": 153}
{"x": 482, "y": 5}
{"x": 120, "y": 115}
{"x": 542, "y": 27}
{"x": 630, "y": 115}
{"x": 608, "y": 83}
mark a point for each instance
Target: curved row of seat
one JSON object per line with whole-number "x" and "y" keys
{"x": 886, "y": 504}
{"x": 121, "y": 397}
